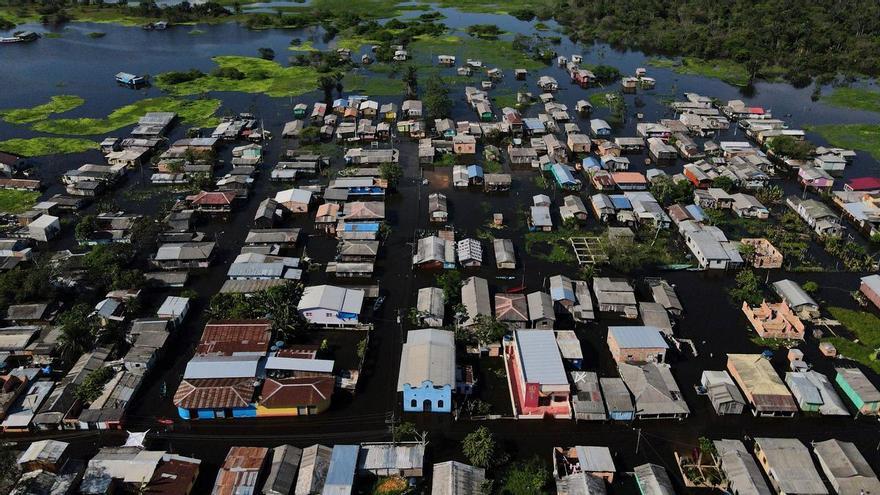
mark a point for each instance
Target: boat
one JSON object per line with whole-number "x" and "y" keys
{"x": 377, "y": 305}
{"x": 505, "y": 277}
{"x": 20, "y": 37}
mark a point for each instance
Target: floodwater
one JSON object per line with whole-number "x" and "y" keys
{"x": 77, "y": 64}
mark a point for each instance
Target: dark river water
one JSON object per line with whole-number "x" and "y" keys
{"x": 80, "y": 65}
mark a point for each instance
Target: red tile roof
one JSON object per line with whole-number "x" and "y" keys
{"x": 297, "y": 392}
{"x": 226, "y": 337}
{"x": 212, "y": 198}
{"x": 214, "y": 393}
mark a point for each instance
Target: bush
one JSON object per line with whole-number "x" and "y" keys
{"x": 178, "y": 77}
{"x": 229, "y": 73}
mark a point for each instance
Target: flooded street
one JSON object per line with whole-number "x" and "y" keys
{"x": 79, "y": 65}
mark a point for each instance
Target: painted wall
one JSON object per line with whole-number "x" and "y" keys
{"x": 427, "y": 398}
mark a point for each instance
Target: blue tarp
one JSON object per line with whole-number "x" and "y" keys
{"x": 620, "y": 202}
{"x": 563, "y": 176}
{"x": 474, "y": 171}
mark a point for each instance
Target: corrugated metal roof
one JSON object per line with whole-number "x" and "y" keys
{"x": 791, "y": 466}
{"x": 299, "y": 364}
{"x": 595, "y": 459}
{"x": 638, "y": 337}
{"x": 741, "y": 469}
{"x": 340, "y": 475}
{"x": 456, "y": 478}
{"x": 541, "y": 362}
{"x": 428, "y": 354}
{"x": 222, "y": 367}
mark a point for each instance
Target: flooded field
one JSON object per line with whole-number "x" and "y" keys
{"x": 79, "y": 65}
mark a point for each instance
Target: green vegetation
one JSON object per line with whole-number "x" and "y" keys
{"x": 450, "y": 282}
{"x": 197, "y": 113}
{"x": 372, "y": 85}
{"x": 726, "y": 70}
{"x": 865, "y": 329}
{"x": 485, "y": 31}
{"x": 12, "y": 201}
{"x": 41, "y": 146}
{"x": 645, "y": 251}
{"x": 789, "y": 147}
{"x": 304, "y": 46}
{"x": 92, "y": 386}
{"x": 438, "y": 103}
{"x": 481, "y": 448}
{"x": 857, "y": 98}
{"x": 757, "y": 38}
{"x": 554, "y": 246}
{"x": 526, "y": 478}
{"x": 747, "y": 289}
{"x": 853, "y": 255}
{"x": 96, "y": 34}
{"x": 277, "y": 303}
{"x": 57, "y": 104}
{"x": 865, "y": 137}
{"x": 494, "y": 53}
{"x": 260, "y": 76}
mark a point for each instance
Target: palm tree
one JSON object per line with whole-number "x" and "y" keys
{"x": 327, "y": 84}
{"x": 411, "y": 78}
{"x": 77, "y": 334}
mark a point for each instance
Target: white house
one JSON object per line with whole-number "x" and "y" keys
{"x": 331, "y": 306}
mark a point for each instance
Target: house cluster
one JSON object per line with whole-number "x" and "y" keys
{"x": 543, "y": 365}
{"x": 750, "y": 382}
{"x": 237, "y": 372}
{"x": 41, "y": 399}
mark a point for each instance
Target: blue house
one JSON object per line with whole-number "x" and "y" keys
{"x": 564, "y": 177}
{"x": 427, "y": 371}
{"x": 591, "y": 163}
{"x": 218, "y": 387}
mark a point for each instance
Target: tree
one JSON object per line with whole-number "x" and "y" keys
{"x": 327, "y": 84}
{"x": 526, "y": 478}
{"x": 438, "y": 104}
{"x": 810, "y": 286}
{"x": 78, "y": 332}
{"x": 668, "y": 192}
{"x": 747, "y": 289}
{"x": 404, "y": 430}
{"x": 450, "y": 282}
{"x": 85, "y": 228}
{"x": 769, "y": 195}
{"x": 487, "y": 330}
{"x": 480, "y": 448}
{"x": 266, "y": 53}
{"x": 789, "y": 147}
{"x": 725, "y": 183}
{"x": 392, "y": 172}
{"x": 411, "y": 79}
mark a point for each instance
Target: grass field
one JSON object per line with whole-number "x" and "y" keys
{"x": 865, "y": 137}
{"x": 865, "y": 327}
{"x": 373, "y": 85}
{"x": 197, "y": 113}
{"x": 726, "y": 70}
{"x": 17, "y": 201}
{"x": 57, "y": 104}
{"x": 857, "y": 98}
{"x": 261, "y": 76}
{"x": 42, "y": 146}
{"x": 493, "y": 53}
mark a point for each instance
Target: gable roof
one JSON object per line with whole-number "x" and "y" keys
{"x": 428, "y": 355}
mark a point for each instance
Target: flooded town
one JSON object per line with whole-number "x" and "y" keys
{"x": 450, "y": 248}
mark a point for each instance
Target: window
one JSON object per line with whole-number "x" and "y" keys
{"x": 440, "y": 403}
{"x": 413, "y": 403}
